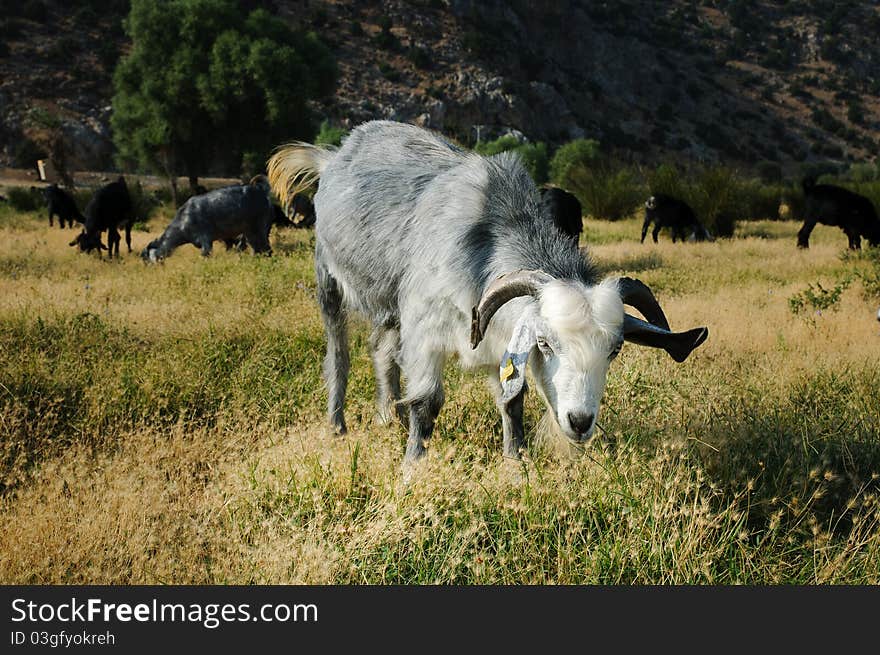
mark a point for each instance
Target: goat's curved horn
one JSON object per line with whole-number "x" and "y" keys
{"x": 636, "y": 293}
{"x": 678, "y": 344}
{"x": 505, "y": 288}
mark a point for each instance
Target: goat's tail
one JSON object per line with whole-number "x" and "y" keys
{"x": 295, "y": 167}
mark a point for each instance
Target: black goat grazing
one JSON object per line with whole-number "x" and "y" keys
{"x": 219, "y": 215}
{"x": 833, "y": 205}
{"x": 666, "y": 211}
{"x": 565, "y": 210}
{"x": 61, "y": 204}
{"x": 109, "y": 208}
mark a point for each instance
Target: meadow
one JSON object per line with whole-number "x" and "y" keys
{"x": 165, "y": 424}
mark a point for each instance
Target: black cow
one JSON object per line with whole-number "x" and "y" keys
{"x": 666, "y": 211}
{"x": 61, "y": 204}
{"x": 565, "y": 210}
{"x": 833, "y": 205}
{"x": 109, "y": 208}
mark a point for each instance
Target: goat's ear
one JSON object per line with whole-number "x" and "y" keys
{"x": 678, "y": 344}
{"x": 512, "y": 371}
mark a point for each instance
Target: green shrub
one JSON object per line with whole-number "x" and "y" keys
{"x": 871, "y": 277}
{"x": 536, "y": 161}
{"x": 863, "y": 172}
{"x": 666, "y": 178}
{"x": 533, "y": 155}
{"x": 760, "y": 201}
{"x": 25, "y": 199}
{"x": 818, "y": 298}
{"x": 577, "y": 153}
{"x": 607, "y": 190}
{"x": 717, "y": 199}
{"x": 329, "y": 135}
{"x": 718, "y": 195}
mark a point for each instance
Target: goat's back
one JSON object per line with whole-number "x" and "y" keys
{"x": 226, "y": 212}
{"x": 109, "y": 206}
{"x": 835, "y": 205}
{"x": 403, "y": 214}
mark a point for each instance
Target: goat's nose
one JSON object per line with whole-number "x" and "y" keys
{"x": 580, "y": 422}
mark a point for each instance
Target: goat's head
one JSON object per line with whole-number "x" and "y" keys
{"x": 88, "y": 242}
{"x": 571, "y": 334}
{"x": 651, "y": 203}
{"x": 150, "y": 254}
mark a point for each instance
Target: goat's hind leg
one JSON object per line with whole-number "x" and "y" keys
{"x": 336, "y": 361}
{"x": 384, "y": 346}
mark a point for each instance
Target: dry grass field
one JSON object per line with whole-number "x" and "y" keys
{"x": 164, "y": 424}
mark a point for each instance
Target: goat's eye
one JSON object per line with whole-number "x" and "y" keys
{"x": 544, "y": 347}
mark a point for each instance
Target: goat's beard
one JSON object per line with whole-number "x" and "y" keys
{"x": 551, "y": 440}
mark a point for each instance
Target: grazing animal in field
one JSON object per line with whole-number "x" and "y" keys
{"x": 565, "y": 210}
{"x": 109, "y": 208}
{"x": 61, "y": 204}
{"x": 302, "y": 206}
{"x": 667, "y": 211}
{"x": 449, "y": 253}
{"x": 833, "y": 205}
{"x": 279, "y": 219}
{"x": 223, "y": 214}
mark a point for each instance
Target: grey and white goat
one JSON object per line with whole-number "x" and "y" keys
{"x": 447, "y": 252}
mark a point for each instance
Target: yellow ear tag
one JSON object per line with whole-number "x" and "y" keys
{"x": 508, "y": 370}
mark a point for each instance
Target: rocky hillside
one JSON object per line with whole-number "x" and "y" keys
{"x": 738, "y": 81}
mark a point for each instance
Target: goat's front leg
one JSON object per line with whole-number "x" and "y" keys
{"x": 803, "y": 237}
{"x": 423, "y": 413}
{"x": 512, "y": 425}
{"x": 423, "y": 371}
{"x": 512, "y": 428}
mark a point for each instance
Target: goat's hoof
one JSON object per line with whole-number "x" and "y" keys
{"x": 410, "y": 470}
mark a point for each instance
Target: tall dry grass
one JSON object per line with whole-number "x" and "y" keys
{"x": 164, "y": 424}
